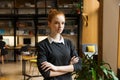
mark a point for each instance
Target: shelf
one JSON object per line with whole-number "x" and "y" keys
{"x": 28, "y": 19}
{"x": 38, "y": 6}
{"x": 25, "y": 11}
{"x": 25, "y": 8}
{"x": 24, "y": 3}
{"x": 7, "y": 16}
{"x": 6, "y": 27}
{"x": 25, "y": 16}
{"x": 8, "y": 35}
{"x": 42, "y": 31}
{"x": 25, "y": 27}
{"x": 6, "y": 8}
{"x": 6, "y": 4}
{"x": 25, "y": 35}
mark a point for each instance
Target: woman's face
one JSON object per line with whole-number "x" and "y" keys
{"x": 57, "y": 24}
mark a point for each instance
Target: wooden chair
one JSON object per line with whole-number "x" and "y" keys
{"x": 24, "y": 51}
{"x": 33, "y": 65}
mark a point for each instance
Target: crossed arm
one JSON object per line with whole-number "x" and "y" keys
{"x": 59, "y": 70}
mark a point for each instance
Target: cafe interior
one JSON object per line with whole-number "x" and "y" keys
{"x": 92, "y": 25}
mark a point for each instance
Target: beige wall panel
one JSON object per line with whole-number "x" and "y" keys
{"x": 90, "y": 31}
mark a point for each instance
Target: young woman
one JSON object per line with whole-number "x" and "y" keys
{"x": 57, "y": 57}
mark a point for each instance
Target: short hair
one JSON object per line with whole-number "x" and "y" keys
{"x": 53, "y": 13}
{"x": 1, "y": 37}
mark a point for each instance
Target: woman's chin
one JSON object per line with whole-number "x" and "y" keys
{"x": 59, "y": 32}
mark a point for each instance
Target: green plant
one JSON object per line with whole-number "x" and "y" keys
{"x": 93, "y": 70}
{"x": 76, "y": 8}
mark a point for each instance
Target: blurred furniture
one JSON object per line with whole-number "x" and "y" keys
{"x": 24, "y": 60}
{"x": 90, "y": 49}
{"x": 24, "y": 51}
{"x": 33, "y": 66}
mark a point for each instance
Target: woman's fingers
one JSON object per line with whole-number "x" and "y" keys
{"x": 74, "y": 60}
{"x": 47, "y": 66}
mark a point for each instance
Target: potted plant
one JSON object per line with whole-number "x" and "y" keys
{"x": 93, "y": 70}
{"x": 76, "y": 7}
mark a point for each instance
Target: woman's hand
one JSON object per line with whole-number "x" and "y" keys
{"x": 74, "y": 60}
{"x": 48, "y": 66}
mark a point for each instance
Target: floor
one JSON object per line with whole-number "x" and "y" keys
{"x": 13, "y": 71}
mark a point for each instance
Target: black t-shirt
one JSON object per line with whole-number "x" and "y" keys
{"x": 58, "y": 54}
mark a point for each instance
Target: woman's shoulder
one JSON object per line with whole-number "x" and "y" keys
{"x": 67, "y": 40}
{"x": 45, "y": 41}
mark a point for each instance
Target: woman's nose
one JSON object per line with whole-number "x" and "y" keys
{"x": 60, "y": 25}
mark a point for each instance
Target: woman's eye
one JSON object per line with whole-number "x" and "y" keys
{"x": 63, "y": 23}
{"x": 56, "y": 23}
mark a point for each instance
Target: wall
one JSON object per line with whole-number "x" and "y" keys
{"x": 9, "y": 40}
{"x": 110, "y": 32}
{"x": 110, "y": 28}
{"x": 90, "y": 31}
{"x": 119, "y": 40}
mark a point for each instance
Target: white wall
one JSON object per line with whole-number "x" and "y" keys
{"x": 9, "y": 40}
{"x": 110, "y": 32}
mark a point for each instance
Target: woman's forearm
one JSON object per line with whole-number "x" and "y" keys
{"x": 57, "y": 70}
{"x": 67, "y": 68}
{"x": 60, "y": 70}
{"x": 56, "y": 73}
{"x": 48, "y": 66}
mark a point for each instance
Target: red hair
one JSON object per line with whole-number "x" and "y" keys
{"x": 53, "y": 13}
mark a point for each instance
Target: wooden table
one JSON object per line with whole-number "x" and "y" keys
{"x": 24, "y": 60}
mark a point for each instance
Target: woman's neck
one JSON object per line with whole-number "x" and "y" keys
{"x": 55, "y": 36}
